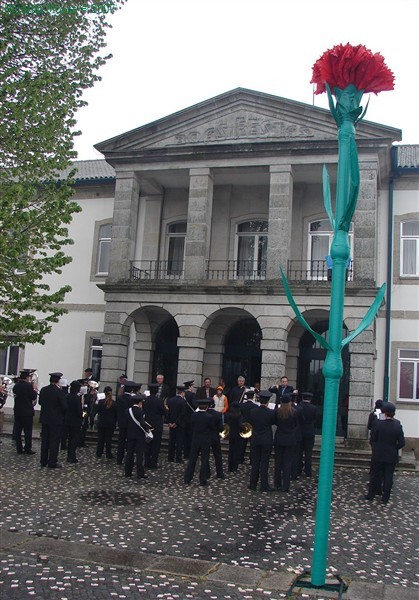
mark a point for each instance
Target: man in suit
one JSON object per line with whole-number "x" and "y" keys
{"x": 215, "y": 446}
{"x": 307, "y": 416}
{"x": 191, "y": 406}
{"x": 261, "y": 418}
{"x": 386, "y": 440}
{"x": 136, "y": 428}
{"x": 73, "y": 420}
{"x": 202, "y": 428}
{"x": 25, "y": 398}
{"x": 176, "y": 417}
{"x": 163, "y": 391}
{"x": 53, "y": 408}
{"x": 154, "y": 411}
{"x": 123, "y": 403}
{"x": 206, "y": 391}
{"x": 237, "y": 392}
{"x": 281, "y": 389}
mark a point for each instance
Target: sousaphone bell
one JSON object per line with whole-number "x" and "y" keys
{"x": 225, "y": 432}
{"x": 246, "y": 431}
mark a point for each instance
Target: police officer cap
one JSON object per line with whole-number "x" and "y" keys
{"x": 131, "y": 384}
{"x": 25, "y": 373}
{"x": 153, "y": 386}
{"x": 206, "y": 401}
{"x": 388, "y": 408}
{"x": 264, "y": 395}
{"x": 139, "y": 397}
{"x": 180, "y": 388}
{"x": 285, "y": 399}
{"x": 58, "y": 374}
{"x": 307, "y": 395}
{"x": 188, "y": 383}
{"x": 249, "y": 394}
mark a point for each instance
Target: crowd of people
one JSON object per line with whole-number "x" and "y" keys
{"x": 277, "y": 421}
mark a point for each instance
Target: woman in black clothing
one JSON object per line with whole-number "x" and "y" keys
{"x": 106, "y": 423}
{"x": 285, "y": 441}
{"x": 73, "y": 420}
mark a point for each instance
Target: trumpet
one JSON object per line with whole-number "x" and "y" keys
{"x": 246, "y": 431}
{"x": 225, "y": 432}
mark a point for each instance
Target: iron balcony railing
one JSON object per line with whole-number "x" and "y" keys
{"x": 156, "y": 269}
{"x": 227, "y": 270}
{"x": 313, "y": 270}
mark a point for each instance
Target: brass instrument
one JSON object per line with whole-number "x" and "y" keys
{"x": 225, "y": 432}
{"x": 93, "y": 384}
{"x": 246, "y": 431}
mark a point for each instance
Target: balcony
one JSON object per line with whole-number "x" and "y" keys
{"x": 232, "y": 270}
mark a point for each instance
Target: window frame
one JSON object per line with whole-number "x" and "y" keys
{"x": 94, "y": 274}
{"x": 404, "y": 238}
{"x": 176, "y": 273}
{"x": 258, "y": 271}
{"x": 415, "y": 379}
{"x": 329, "y": 235}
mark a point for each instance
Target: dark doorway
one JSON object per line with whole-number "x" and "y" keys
{"x": 310, "y": 377}
{"x": 166, "y": 354}
{"x": 242, "y": 353}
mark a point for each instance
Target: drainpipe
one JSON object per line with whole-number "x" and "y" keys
{"x": 389, "y": 277}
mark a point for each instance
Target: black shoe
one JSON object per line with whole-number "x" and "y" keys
{"x": 72, "y": 460}
{"x": 20, "y": 451}
{"x": 267, "y": 489}
{"x": 220, "y": 477}
{"x": 180, "y": 462}
{"x": 110, "y": 456}
{"x": 285, "y": 489}
{"x": 384, "y": 501}
{"x": 128, "y": 474}
{"x": 203, "y": 483}
{"x": 56, "y": 466}
{"x": 30, "y": 452}
{"x": 142, "y": 476}
{"x": 370, "y": 498}
{"x": 251, "y": 487}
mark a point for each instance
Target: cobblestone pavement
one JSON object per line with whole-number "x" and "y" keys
{"x": 87, "y": 531}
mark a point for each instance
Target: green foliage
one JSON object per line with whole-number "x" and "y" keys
{"x": 50, "y": 52}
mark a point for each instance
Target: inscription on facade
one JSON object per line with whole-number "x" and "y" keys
{"x": 244, "y": 127}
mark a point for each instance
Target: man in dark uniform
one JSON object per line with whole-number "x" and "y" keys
{"x": 386, "y": 440}
{"x": 261, "y": 418}
{"x": 154, "y": 412}
{"x": 73, "y": 420}
{"x": 281, "y": 389}
{"x": 191, "y": 406}
{"x": 202, "y": 427}
{"x": 123, "y": 403}
{"x": 25, "y": 398}
{"x": 176, "y": 418}
{"x": 246, "y": 407}
{"x": 53, "y": 407}
{"x": 215, "y": 446}
{"x": 307, "y": 417}
{"x": 136, "y": 428}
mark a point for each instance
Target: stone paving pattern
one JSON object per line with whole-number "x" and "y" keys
{"x": 86, "y": 531}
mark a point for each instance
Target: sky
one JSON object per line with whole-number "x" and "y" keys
{"x": 171, "y": 54}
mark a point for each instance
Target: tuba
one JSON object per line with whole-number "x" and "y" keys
{"x": 246, "y": 431}
{"x": 225, "y": 432}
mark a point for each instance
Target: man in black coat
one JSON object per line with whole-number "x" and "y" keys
{"x": 206, "y": 391}
{"x": 281, "y": 389}
{"x": 261, "y": 418}
{"x": 123, "y": 403}
{"x": 73, "y": 420}
{"x": 176, "y": 418}
{"x": 53, "y": 407}
{"x": 154, "y": 411}
{"x": 215, "y": 446}
{"x": 136, "y": 428}
{"x": 191, "y": 406}
{"x": 246, "y": 407}
{"x": 307, "y": 416}
{"x": 25, "y": 398}
{"x": 386, "y": 440}
{"x": 202, "y": 428}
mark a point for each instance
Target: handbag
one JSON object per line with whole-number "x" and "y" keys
{"x": 148, "y": 434}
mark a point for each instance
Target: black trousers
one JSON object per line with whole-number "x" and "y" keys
{"x": 72, "y": 440}
{"x": 50, "y": 443}
{"x": 135, "y": 447}
{"x": 284, "y": 455}
{"x": 218, "y": 458}
{"x": 234, "y": 453}
{"x": 25, "y": 424}
{"x": 104, "y": 440}
{"x": 175, "y": 452}
{"x": 305, "y": 455}
{"x": 381, "y": 473}
{"x": 152, "y": 450}
{"x": 198, "y": 449}
{"x": 122, "y": 441}
{"x": 260, "y": 455}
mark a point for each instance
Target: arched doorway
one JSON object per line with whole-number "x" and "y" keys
{"x": 166, "y": 353}
{"x": 310, "y": 378}
{"x": 242, "y": 353}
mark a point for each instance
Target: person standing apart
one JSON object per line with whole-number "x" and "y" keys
{"x": 281, "y": 389}
{"x": 73, "y": 420}
{"x": 25, "y": 399}
{"x": 202, "y": 427}
{"x": 136, "y": 430}
{"x": 261, "y": 419}
{"x": 387, "y": 438}
{"x": 53, "y": 407}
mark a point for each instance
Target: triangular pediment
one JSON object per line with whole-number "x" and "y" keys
{"x": 238, "y": 117}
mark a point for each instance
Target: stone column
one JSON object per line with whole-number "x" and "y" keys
{"x": 191, "y": 354}
{"x": 365, "y": 224}
{"x": 124, "y": 225}
{"x": 198, "y": 236}
{"x": 280, "y": 219}
{"x": 115, "y": 347}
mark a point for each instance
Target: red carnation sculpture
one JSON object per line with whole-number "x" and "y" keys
{"x": 345, "y": 65}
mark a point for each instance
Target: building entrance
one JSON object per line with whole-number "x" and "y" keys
{"x": 242, "y": 353}
{"x": 166, "y": 353}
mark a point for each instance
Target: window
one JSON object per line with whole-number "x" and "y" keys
{"x": 252, "y": 242}
{"x": 95, "y": 356}
{"x": 320, "y": 240}
{"x": 9, "y": 360}
{"x": 104, "y": 249}
{"x": 176, "y": 233}
{"x": 409, "y": 256}
{"x": 408, "y": 380}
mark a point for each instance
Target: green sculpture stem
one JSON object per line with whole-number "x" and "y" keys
{"x": 333, "y": 368}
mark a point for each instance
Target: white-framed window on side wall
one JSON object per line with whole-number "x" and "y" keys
{"x": 104, "y": 249}
{"x": 408, "y": 376}
{"x": 320, "y": 237}
{"x": 95, "y": 357}
{"x": 409, "y": 254}
{"x": 9, "y": 360}
{"x": 176, "y": 235}
{"x": 251, "y": 247}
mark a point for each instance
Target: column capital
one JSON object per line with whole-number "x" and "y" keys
{"x": 199, "y": 171}
{"x": 281, "y": 169}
